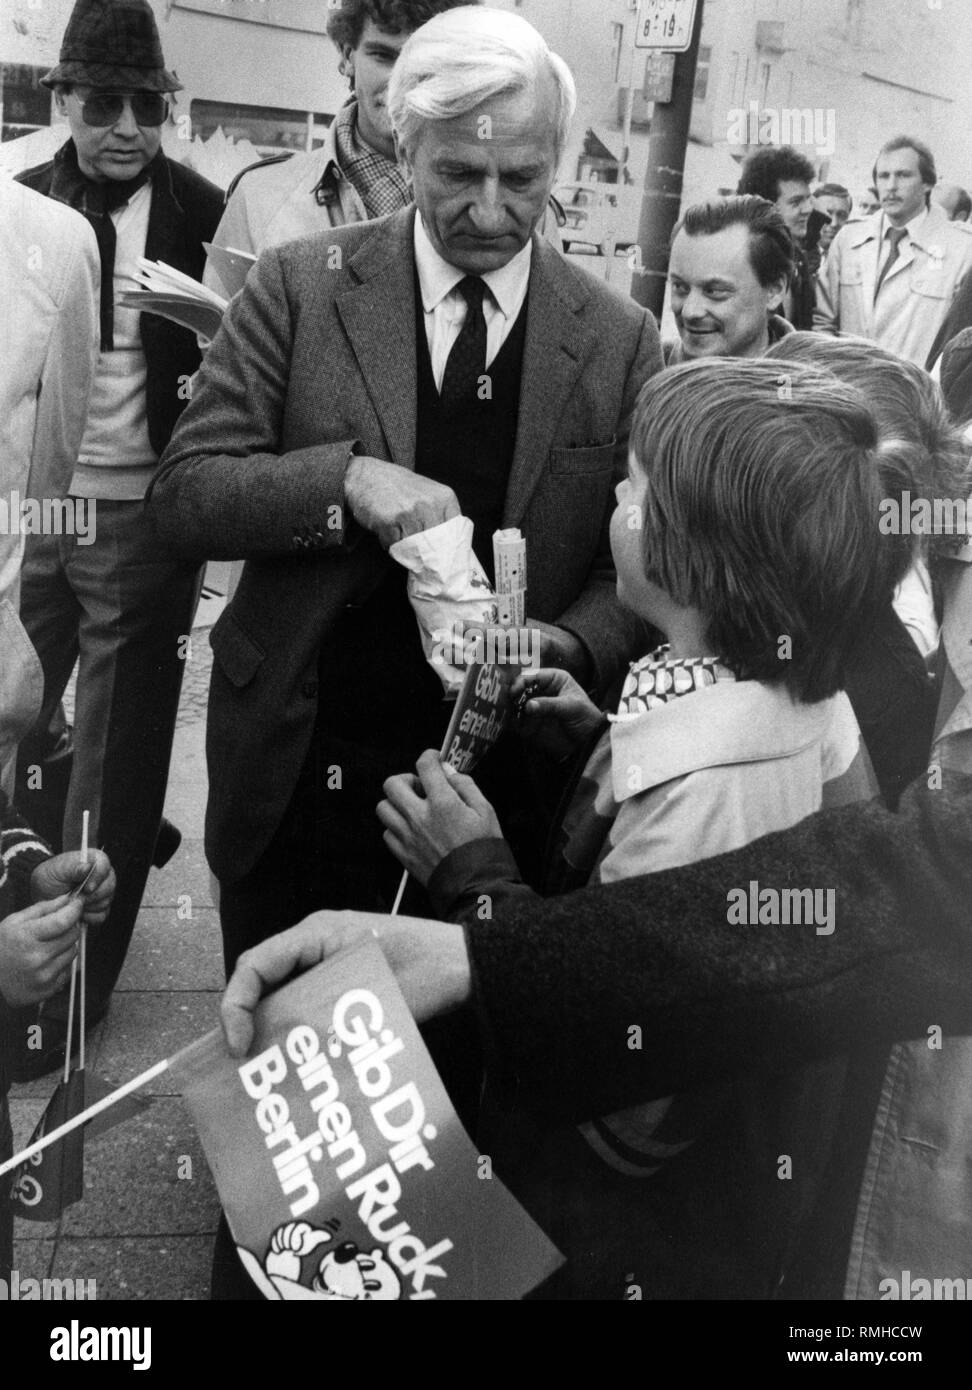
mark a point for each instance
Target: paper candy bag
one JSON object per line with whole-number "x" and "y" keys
{"x": 343, "y": 1170}
{"x": 449, "y": 592}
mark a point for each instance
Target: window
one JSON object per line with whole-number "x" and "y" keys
{"x": 273, "y": 130}
{"x": 25, "y": 104}
{"x": 702, "y": 73}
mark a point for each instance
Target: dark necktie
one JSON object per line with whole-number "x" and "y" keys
{"x": 896, "y": 236}
{"x": 467, "y": 360}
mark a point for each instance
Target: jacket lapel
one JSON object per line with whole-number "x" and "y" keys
{"x": 553, "y": 357}
{"x": 379, "y": 317}
{"x": 166, "y": 224}
{"x": 868, "y": 247}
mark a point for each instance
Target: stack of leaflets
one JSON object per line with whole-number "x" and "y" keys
{"x": 176, "y": 296}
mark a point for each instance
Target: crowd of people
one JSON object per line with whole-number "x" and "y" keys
{"x": 753, "y": 665}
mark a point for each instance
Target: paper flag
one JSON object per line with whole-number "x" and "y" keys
{"x": 343, "y": 1169}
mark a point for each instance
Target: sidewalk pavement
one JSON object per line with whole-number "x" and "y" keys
{"x": 145, "y": 1227}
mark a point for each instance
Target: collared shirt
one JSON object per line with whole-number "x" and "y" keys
{"x": 953, "y": 727}
{"x": 445, "y": 308}
{"x": 913, "y": 229}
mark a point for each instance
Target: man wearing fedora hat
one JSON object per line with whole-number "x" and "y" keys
{"x": 122, "y": 602}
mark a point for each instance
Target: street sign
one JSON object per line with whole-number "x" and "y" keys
{"x": 665, "y": 24}
{"x": 659, "y": 76}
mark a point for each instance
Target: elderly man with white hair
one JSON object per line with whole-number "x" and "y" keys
{"x": 369, "y": 383}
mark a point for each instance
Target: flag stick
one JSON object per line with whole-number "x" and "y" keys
{"x": 399, "y": 895}
{"x": 104, "y": 1104}
{"x": 84, "y": 990}
{"x": 70, "y": 1023}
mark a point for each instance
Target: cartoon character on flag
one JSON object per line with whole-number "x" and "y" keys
{"x": 344, "y": 1274}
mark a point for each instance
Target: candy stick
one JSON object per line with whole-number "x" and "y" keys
{"x": 84, "y": 990}
{"x": 70, "y": 1025}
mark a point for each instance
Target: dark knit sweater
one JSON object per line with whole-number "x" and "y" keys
{"x": 20, "y": 853}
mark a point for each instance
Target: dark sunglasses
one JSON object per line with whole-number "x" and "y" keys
{"x": 105, "y": 108}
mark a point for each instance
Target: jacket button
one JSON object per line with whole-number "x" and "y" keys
{"x": 310, "y": 689}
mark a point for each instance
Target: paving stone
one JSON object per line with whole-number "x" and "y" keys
{"x": 32, "y": 1258}
{"x": 187, "y": 786}
{"x": 145, "y": 1027}
{"x": 132, "y": 1184}
{"x": 167, "y": 953}
{"x": 164, "y": 1267}
{"x": 186, "y": 872}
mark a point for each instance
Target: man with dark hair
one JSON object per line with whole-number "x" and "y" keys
{"x": 731, "y": 262}
{"x": 834, "y": 201}
{"x": 782, "y": 176}
{"x": 354, "y": 175}
{"x": 893, "y": 277}
{"x": 122, "y": 603}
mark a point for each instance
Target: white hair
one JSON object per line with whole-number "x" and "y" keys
{"x": 465, "y": 56}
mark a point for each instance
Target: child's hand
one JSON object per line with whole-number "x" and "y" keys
{"x": 428, "y": 816}
{"x": 37, "y": 947}
{"x": 556, "y": 714}
{"x": 61, "y": 873}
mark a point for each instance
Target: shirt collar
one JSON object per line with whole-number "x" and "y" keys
{"x": 730, "y": 722}
{"x": 913, "y": 228}
{"x": 437, "y": 277}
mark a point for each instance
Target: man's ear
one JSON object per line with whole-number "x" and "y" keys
{"x": 776, "y": 292}
{"x": 60, "y": 102}
{"x": 346, "y": 65}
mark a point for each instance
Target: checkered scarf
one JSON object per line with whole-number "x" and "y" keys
{"x": 378, "y": 180}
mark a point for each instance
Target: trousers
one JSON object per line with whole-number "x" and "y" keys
{"x": 121, "y": 607}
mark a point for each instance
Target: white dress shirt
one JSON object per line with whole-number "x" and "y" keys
{"x": 445, "y": 308}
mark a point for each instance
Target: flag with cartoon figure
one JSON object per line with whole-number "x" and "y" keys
{"x": 343, "y": 1170}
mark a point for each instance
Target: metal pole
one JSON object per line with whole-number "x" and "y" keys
{"x": 663, "y": 179}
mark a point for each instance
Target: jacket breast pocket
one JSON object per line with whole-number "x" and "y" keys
{"x": 851, "y": 275}
{"x": 591, "y": 459}
{"x": 930, "y": 286}
{"x": 236, "y": 653}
